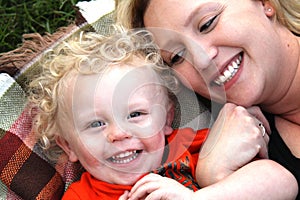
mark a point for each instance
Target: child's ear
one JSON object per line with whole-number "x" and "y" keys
{"x": 170, "y": 113}
{"x": 170, "y": 118}
{"x": 64, "y": 144}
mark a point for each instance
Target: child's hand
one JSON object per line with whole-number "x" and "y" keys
{"x": 154, "y": 186}
{"x": 124, "y": 196}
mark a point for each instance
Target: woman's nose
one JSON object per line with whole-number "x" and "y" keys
{"x": 202, "y": 55}
{"x": 117, "y": 133}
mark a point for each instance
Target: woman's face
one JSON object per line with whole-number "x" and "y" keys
{"x": 220, "y": 46}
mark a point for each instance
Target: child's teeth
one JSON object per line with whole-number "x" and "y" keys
{"x": 124, "y": 157}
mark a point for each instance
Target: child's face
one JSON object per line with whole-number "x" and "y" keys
{"x": 119, "y": 124}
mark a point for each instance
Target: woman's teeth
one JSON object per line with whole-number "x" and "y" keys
{"x": 229, "y": 72}
{"x": 124, "y": 157}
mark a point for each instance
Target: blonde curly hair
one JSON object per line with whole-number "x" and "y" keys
{"x": 86, "y": 53}
{"x": 130, "y": 13}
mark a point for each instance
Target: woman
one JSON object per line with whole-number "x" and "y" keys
{"x": 252, "y": 53}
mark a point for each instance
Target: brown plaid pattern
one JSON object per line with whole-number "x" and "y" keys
{"x": 27, "y": 173}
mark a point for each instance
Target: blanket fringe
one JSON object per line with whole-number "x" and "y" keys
{"x": 33, "y": 45}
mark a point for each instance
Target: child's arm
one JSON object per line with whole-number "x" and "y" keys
{"x": 261, "y": 179}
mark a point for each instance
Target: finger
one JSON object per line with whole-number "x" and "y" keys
{"x": 263, "y": 142}
{"x": 158, "y": 194}
{"x": 259, "y": 130}
{"x": 267, "y": 139}
{"x": 173, "y": 190}
{"x": 144, "y": 190}
{"x": 124, "y": 196}
{"x": 264, "y": 135}
{"x": 144, "y": 186}
{"x": 263, "y": 151}
{"x": 256, "y": 112}
{"x": 148, "y": 178}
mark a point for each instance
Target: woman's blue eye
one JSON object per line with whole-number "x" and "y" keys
{"x": 134, "y": 114}
{"x": 97, "y": 124}
{"x": 207, "y": 24}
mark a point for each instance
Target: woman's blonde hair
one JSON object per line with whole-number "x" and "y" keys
{"x": 288, "y": 14}
{"x": 87, "y": 53}
{"x": 130, "y": 13}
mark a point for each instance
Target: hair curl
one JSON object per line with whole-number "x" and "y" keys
{"x": 86, "y": 53}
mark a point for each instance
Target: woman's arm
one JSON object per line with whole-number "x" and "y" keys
{"x": 234, "y": 140}
{"x": 261, "y": 179}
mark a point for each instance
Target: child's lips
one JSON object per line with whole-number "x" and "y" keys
{"x": 125, "y": 156}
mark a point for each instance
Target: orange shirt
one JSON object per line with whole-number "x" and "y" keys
{"x": 179, "y": 163}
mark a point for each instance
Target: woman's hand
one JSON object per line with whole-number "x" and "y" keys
{"x": 234, "y": 140}
{"x": 154, "y": 186}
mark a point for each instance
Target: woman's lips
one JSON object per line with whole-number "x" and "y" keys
{"x": 229, "y": 71}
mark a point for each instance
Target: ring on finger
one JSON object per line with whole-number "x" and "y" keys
{"x": 263, "y": 130}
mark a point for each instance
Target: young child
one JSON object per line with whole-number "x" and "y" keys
{"x": 107, "y": 103}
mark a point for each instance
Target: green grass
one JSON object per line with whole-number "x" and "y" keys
{"x": 30, "y": 16}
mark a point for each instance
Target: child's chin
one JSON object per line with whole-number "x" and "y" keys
{"x": 130, "y": 179}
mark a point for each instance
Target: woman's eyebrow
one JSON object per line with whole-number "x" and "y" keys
{"x": 192, "y": 14}
{"x": 206, "y": 7}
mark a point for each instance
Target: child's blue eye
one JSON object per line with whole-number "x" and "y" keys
{"x": 97, "y": 124}
{"x": 134, "y": 114}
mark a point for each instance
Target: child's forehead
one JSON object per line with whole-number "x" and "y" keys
{"x": 120, "y": 75}
{"x": 128, "y": 79}
{"x": 125, "y": 84}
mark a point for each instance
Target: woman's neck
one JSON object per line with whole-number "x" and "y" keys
{"x": 288, "y": 105}
{"x": 289, "y": 132}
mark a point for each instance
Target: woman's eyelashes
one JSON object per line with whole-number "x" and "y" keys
{"x": 177, "y": 58}
{"x": 208, "y": 25}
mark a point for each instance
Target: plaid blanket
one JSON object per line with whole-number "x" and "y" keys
{"x": 25, "y": 171}
{"x": 16, "y": 150}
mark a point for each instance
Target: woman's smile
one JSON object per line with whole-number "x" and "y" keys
{"x": 229, "y": 71}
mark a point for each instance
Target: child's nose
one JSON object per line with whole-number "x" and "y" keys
{"x": 116, "y": 133}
